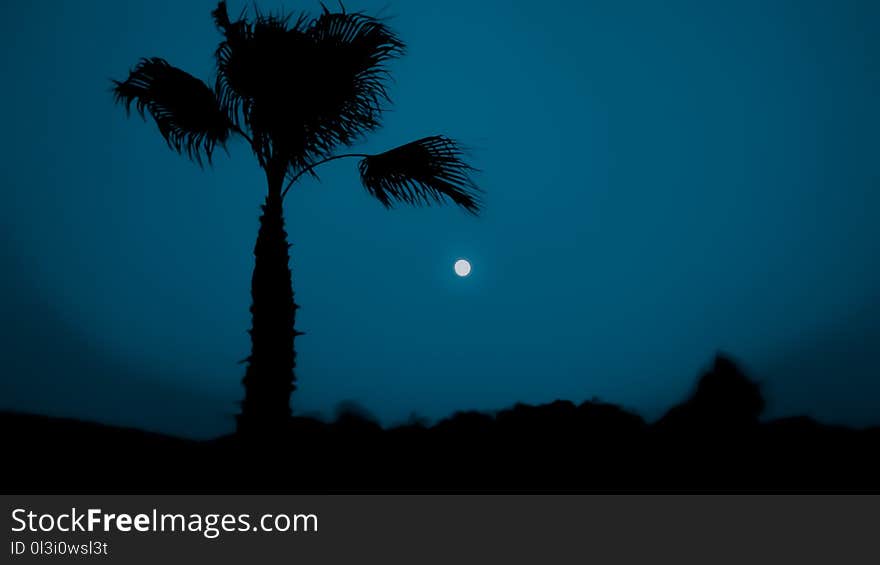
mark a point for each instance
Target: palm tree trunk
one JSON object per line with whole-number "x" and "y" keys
{"x": 270, "y": 378}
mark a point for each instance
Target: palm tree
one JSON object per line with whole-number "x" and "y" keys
{"x": 296, "y": 90}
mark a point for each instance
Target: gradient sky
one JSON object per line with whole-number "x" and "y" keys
{"x": 664, "y": 180}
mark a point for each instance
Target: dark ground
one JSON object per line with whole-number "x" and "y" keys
{"x": 714, "y": 441}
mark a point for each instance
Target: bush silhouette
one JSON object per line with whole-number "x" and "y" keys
{"x": 724, "y": 397}
{"x": 713, "y": 440}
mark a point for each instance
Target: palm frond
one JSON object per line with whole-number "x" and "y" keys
{"x": 252, "y": 55}
{"x": 347, "y": 76}
{"x": 221, "y": 17}
{"x": 429, "y": 170}
{"x": 357, "y": 48}
{"x": 184, "y": 108}
{"x": 256, "y": 63}
{"x": 303, "y": 87}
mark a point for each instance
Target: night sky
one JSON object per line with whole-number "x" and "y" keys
{"x": 663, "y": 180}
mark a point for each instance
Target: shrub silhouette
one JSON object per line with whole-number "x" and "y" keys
{"x": 297, "y": 90}
{"x": 711, "y": 441}
{"x": 724, "y": 397}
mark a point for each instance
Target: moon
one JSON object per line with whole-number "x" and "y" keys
{"x": 462, "y": 267}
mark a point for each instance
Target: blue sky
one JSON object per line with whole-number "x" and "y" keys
{"x": 664, "y": 180}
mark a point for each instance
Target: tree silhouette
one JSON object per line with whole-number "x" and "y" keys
{"x": 297, "y": 90}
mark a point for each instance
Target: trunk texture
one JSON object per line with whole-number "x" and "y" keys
{"x": 270, "y": 378}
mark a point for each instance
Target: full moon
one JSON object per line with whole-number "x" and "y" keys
{"x": 462, "y": 267}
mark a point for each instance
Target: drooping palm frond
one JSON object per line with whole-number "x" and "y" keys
{"x": 303, "y": 87}
{"x": 185, "y": 108}
{"x": 359, "y": 47}
{"x": 257, "y": 68}
{"x": 352, "y": 51}
{"x": 235, "y": 35}
{"x": 253, "y": 57}
{"x": 428, "y": 170}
